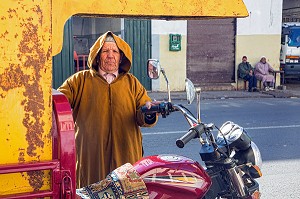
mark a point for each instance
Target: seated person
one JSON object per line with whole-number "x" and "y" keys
{"x": 246, "y": 72}
{"x": 262, "y": 73}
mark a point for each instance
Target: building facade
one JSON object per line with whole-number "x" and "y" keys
{"x": 214, "y": 48}
{"x": 259, "y": 34}
{"x": 209, "y": 52}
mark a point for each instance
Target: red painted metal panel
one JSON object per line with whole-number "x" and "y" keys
{"x": 173, "y": 176}
{"x": 25, "y": 167}
{"x": 66, "y": 144}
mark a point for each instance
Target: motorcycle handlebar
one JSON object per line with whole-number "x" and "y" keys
{"x": 164, "y": 108}
{"x": 194, "y": 132}
{"x": 154, "y": 108}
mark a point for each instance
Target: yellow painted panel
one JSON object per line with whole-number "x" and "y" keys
{"x": 24, "y": 182}
{"x": 255, "y": 46}
{"x": 25, "y": 89}
{"x": 174, "y": 63}
{"x": 167, "y": 9}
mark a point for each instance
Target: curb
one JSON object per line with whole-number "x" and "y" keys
{"x": 163, "y": 96}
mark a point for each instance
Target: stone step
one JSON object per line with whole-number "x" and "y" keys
{"x": 216, "y": 87}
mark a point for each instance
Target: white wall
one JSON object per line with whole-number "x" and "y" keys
{"x": 265, "y": 17}
{"x": 173, "y": 62}
{"x": 259, "y": 34}
{"x": 165, "y": 27}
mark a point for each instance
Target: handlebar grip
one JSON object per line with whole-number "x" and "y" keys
{"x": 191, "y": 134}
{"x": 154, "y": 108}
{"x": 194, "y": 132}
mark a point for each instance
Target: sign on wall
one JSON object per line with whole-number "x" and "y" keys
{"x": 174, "y": 42}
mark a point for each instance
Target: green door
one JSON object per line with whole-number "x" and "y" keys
{"x": 137, "y": 33}
{"x": 63, "y": 63}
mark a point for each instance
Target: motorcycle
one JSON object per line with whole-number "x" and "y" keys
{"x": 231, "y": 158}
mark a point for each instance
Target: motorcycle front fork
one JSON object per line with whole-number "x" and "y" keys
{"x": 230, "y": 181}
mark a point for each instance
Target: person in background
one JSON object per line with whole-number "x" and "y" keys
{"x": 246, "y": 72}
{"x": 262, "y": 73}
{"x": 106, "y": 102}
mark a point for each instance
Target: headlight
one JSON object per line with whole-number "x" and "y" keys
{"x": 250, "y": 160}
{"x": 257, "y": 155}
{"x": 233, "y": 135}
{"x": 251, "y": 155}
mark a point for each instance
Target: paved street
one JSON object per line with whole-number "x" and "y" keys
{"x": 292, "y": 91}
{"x": 273, "y": 124}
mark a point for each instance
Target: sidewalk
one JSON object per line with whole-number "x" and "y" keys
{"x": 290, "y": 92}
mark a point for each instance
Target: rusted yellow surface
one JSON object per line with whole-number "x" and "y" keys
{"x": 24, "y": 182}
{"x": 25, "y": 91}
{"x": 31, "y": 32}
{"x": 169, "y": 9}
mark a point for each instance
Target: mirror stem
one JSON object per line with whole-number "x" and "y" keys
{"x": 198, "y": 92}
{"x": 168, "y": 85}
{"x": 169, "y": 93}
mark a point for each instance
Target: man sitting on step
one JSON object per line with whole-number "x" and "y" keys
{"x": 246, "y": 72}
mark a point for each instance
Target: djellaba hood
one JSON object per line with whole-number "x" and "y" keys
{"x": 125, "y": 64}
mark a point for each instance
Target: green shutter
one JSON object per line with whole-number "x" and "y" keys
{"x": 63, "y": 63}
{"x": 137, "y": 33}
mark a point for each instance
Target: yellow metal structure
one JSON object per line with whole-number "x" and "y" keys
{"x": 166, "y": 9}
{"x": 31, "y": 32}
{"x": 25, "y": 91}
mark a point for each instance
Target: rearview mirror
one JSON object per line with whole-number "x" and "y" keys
{"x": 153, "y": 68}
{"x": 190, "y": 90}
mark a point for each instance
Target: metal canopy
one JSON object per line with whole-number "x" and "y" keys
{"x": 167, "y": 9}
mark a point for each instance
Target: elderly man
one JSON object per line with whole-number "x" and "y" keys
{"x": 262, "y": 72}
{"x": 106, "y": 102}
{"x": 246, "y": 72}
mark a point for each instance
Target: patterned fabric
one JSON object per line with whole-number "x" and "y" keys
{"x": 123, "y": 182}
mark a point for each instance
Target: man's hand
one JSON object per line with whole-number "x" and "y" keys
{"x": 250, "y": 72}
{"x": 153, "y": 103}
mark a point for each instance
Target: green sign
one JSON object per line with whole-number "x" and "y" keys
{"x": 174, "y": 42}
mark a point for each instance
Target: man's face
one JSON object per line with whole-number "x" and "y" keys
{"x": 244, "y": 59}
{"x": 109, "y": 57}
{"x": 263, "y": 60}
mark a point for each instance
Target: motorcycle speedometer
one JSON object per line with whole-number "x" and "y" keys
{"x": 233, "y": 135}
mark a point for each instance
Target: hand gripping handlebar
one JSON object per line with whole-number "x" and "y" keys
{"x": 194, "y": 132}
{"x": 153, "y": 109}
{"x": 164, "y": 108}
